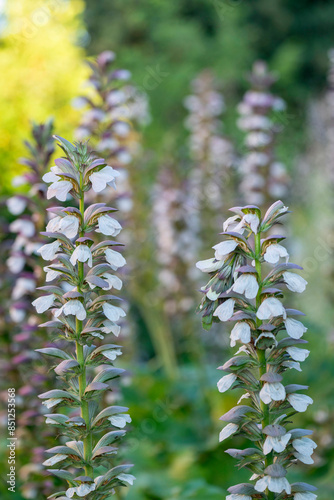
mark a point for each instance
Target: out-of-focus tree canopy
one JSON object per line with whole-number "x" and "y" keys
{"x": 42, "y": 70}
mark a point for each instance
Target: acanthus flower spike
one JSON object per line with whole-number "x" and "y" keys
{"x": 82, "y": 267}
{"x": 242, "y": 291}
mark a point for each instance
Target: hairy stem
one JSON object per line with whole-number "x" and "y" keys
{"x": 261, "y": 352}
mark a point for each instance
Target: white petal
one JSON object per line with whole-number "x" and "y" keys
{"x": 226, "y": 382}
{"x": 209, "y": 265}
{"x": 241, "y": 331}
{"x": 120, "y": 421}
{"x": 294, "y": 282}
{"x": 49, "y": 251}
{"x": 82, "y": 253}
{"x": 295, "y": 329}
{"x": 298, "y": 354}
{"x": 102, "y": 178}
{"x": 272, "y": 392}
{"x": 69, "y": 225}
{"x": 253, "y": 221}
{"x": 53, "y": 225}
{"x": 16, "y": 205}
{"x": 113, "y": 313}
{"x": 269, "y": 308}
{"x": 225, "y": 310}
{"x": 224, "y": 248}
{"x": 247, "y": 284}
{"x": 279, "y": 484}
{"x": 299, "y": 402}
{"x": 262, "y": 484}
{"x": 50, "y": 177}
{"x": 127, "y": 478}
{"x": 60, "y": 190}
{"x": 115, "y": 259}
{"x": 113, "y": 281}
{"x": 228, "y": 430}
{"x": 42, "y": 304}
{"x": 109, "y": 226}
{"x": 274, "y": 252}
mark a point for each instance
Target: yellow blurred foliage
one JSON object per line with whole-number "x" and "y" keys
{"x": 42, "y": 70}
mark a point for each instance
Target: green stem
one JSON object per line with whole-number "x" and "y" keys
{"x": 87, "y": 441}
{"x": 261, "y": 352}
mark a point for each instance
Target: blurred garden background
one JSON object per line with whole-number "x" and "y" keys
{"x": 186, "y": 69}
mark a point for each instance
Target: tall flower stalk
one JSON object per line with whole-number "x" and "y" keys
{"x": 246, "y": 284}
{"x": 82, "y": 315}
{"x": 264, "y": 179}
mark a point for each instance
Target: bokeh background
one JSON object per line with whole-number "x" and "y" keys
{"x": 171, "y": 361}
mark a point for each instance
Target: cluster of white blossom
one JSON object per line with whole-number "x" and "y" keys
{"x": 83, "y": 316}
{"x": 176, "y": 230}
{"x": 240, "y": 292}
{"x": 264, "y": 179}
{"x": 212, "y": 152}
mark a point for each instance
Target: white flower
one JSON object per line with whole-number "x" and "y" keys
{"x": 23, "y": 286}
{"x": 238, "y": 497}
{"x": 294, "y": 282}
{"x": 228, "y": 430}
{"x": 112, "y": 354}
{"x": 233, "y": 224}
{"x": 295, "y": 329}
{"x": 115, "y": 259}
{"x": 23, "y": 226}
{"x": 253, "y": 221}
{"x": 52, "y": 176}
{"x": 17, "y": 315}
{"x": 298, "y": 354}
{"x": 82, "y": 253}
{"x": 270, "y": 308}
{"x": 69, "y": 225}
{"x": 113, "y": 313}
{"x": 113, "y": 281}
{"x": 209, "y": 265}
{"x": 103, "y": 178}
{"x": 127, "y": 478}
{"x": 305, "y": 495}
{"x": 246, "y": 284}
{"x": 74, "y": 308}
{"x": 225, "y": 310}
{"x": 50, "y": 274}
{"x": 16, "y": 263}
{"x": 81, "y": 490}
{"x": 226, "y": 382}
{"x": 111, "y": 327}
{"x": 274, "y": 252}
{"x": 53, "y": 225}
{"x": 299, "y": 402}
{"x": 49, "y": 251}
{"x": 241, "y": 331}
{"x": 59, "y": 189}
{"x": 292, "y": 365}
{"x": 44, "y": 303}
{"x": 272, "y": 391}
{"x": 304, "y": 449}
{"x": 109, "y": 226}
{"x": 120, "y": 421}
{"x": 224, "y": 248}
{"x": 16, "y": 205}
{"x": 275, "y": 484}
{"x": 277, "y": 444}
